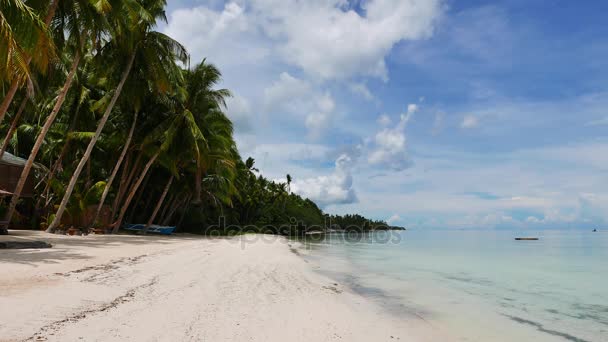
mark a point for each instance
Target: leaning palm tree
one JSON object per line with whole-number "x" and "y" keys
{"x": 164, "y": 135}
{"x": 82, "y": 20}
{"x": 115, "y": 169}
{"x": 172, "y": 161}
{"x": 24, "y": 39}
{"x": 13, "y": 127}
{"x": 146, "y": 49}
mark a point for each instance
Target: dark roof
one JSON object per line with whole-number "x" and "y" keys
{"x": 9, "y": 159}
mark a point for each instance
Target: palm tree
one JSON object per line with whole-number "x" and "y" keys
{"x": 47, "y": 125}
{"x": 159, "y": 204}
{"x": 108, "y": 186}
{"x": 200, "y": 99}
{"x": 155, "y": 53}
{"x": 134, "y": 189}
{"x": 81, "y": 23}
{"x": 23, "y": 38}
{"x": 116, "y": 101}
{"x": 13, "y": 127}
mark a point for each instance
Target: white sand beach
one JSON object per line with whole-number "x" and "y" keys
{"x": 184, "y": 288}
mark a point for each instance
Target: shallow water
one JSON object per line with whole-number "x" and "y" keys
{"x": 479, "y": 285}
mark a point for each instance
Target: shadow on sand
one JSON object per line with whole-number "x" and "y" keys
{"x": 73, "y": 247}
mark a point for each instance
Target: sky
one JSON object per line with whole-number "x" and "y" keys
{"x": 424, "y": 113}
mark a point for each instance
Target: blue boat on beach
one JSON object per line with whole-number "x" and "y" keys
{"x": 163, "y": 230}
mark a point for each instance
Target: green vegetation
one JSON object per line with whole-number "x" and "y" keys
{"x": 115, "y": 130}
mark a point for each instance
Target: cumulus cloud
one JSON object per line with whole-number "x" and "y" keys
{"x": 469, "y": 121}
{"x": 600, "y": 122}
{"x": 393, "y": 219}
{"x": 324, "y": 38}
{"x": 220, "y": 35}
{"x": 330, "y": 41}
{"x": 361, "y": 89}
{"x": 298, "y": 97}
{"x": 384, "y": 120}
{"x": 389, "y": 147}
{"x": 239, "y": 111}
{"x": 286, "y": 92}
{"x": 326, "y": 103}
{"x": 336, "y": 188}
{"x": 317, "y": 121}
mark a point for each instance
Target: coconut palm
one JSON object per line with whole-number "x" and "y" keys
{"x": 24, "y": 38}
{"x": 13, "y": 127}
{"x": 156, "y": 55}
{"x": 201, "y": 99}
{"x": 80, "y": 20}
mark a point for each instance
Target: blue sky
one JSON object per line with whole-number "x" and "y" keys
{"x": 427, "y": 113}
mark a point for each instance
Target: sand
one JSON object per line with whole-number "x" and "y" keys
{"x": 183, "y": 288}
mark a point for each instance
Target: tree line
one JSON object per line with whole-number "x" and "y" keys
{"x": 114, "y": 119}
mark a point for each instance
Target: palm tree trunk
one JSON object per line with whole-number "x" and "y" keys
{"x": 89, "y": 150}
{"x": 169, "y": 209}
{"x": 57, "y": 163}
{"x": 159, "y": 204}
{"x": 125, "y": 205}
{"x": 172, "y": 199}
{"x": 141, "y": 191}
{"x": 198, "y": 182}
{"x": 51, "y": 13}
{"x": 106, "y": 190}
{"x": 47, "y": 125}
{"x": 87, "y": 184}
{"x": 6, "y": 102}
{"x": 181, "y": 219}
{"x": 124, "y": 184}
{"x": 13, "y": 127}
{"x": 176, "y": 205}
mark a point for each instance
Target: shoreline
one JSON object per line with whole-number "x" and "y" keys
{"x": 251, "y": 287}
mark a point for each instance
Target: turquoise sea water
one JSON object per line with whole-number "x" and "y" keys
{"x": 479, "y": 285}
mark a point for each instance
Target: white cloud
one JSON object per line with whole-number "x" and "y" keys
{"x": 329, "y": 42}
{"x": 393, "y": 219}
{"x": 558, "y": 187}
{"x": 239, "y": 111}
{"x": 469, "y": 121}
{"x": 389, "y": 147}
{"x": 300, "y": 98}
{"x": 336, "y": 188}
{"x": 219, "y": 35}
{"x": 286, "y": 92}
{"x": 298, "y": 159}
{"x": 412, "y": 108}
{"x": 362, "y": 90}
{"x": 326, "y": 103}
{"x": 384, "y": 120}
{"x": 438, "y": 123}
{"x": 316, "y": 124}
{"x": 599, "y": 122}
{"x": 324, "y": 38}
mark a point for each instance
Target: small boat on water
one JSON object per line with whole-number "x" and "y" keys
{"x": 526, "y": 238}
{"x": 152, "y": 229}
